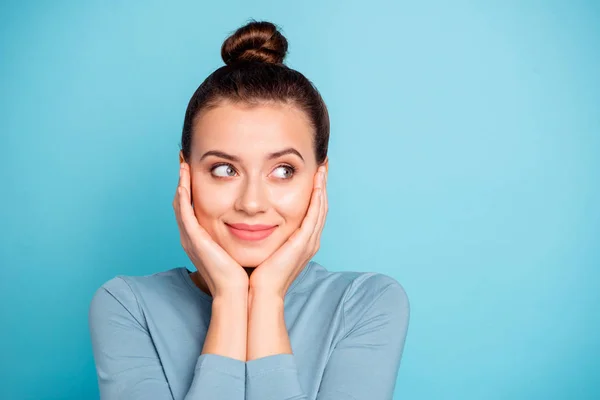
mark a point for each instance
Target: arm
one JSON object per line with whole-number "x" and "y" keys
{"x": 127, "y": 364}
{"x": 267, "y": 333}
{"x": 363, "y": 365}
{"x": 226, "y": 342}
{"x": 226, "y": 334}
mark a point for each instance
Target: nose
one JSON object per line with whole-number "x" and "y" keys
{"x": 252, "y": 198}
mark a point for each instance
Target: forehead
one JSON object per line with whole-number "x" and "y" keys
{"x": 252, "y": 131}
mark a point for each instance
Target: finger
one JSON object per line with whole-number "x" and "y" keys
{"x": 178, "y": 184}
{"x": 312, "y": 216}
{"x": 183, "y": 235}
{"x": 176, "y": 203}
{"x": 323, "y": 216}
{"x": 182, "y": 166}
{"x": 177, "y": 197}
{"x": 322, "y": 211}
{"x": 187, "y": 212}
{"x": 309, "y": 221}
{"x": 318, "y": 179}
{"x": 183, "y": 231}
{"x": 188, "y": 222}
{"x": 184, "y": 177}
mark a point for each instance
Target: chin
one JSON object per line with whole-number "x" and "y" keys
{"x": 248, "y": 257}
{"x": 251, "y": 254}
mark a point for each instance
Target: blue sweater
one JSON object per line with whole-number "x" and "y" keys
{"x": 347, "y": 332}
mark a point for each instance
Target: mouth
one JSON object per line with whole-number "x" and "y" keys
{"x": 251, "y": 232}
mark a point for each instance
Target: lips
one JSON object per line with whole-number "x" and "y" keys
{"x": 251, "y": 232}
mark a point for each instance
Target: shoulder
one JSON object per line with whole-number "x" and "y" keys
{"x": 377, "y": 306}
{"x": 126, "y": 285}
{"x": 375, "y": 299}
{"x": 363, "y": 292}
{"x": 359, "y": 287}
{"x": 369, "y": 288}
{"x": 124, "y": 294}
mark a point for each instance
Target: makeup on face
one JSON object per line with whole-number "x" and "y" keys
{"x": 253, "y": 166}
{"x": 251, "y": 232}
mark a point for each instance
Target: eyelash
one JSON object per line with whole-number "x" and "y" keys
{"x": 291, "y": 168}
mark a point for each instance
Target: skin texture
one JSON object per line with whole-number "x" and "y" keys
{"x": 247, "y": 184}
{"x": 253, "y": 190}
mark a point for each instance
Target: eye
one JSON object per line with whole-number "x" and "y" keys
{"x": 223, "y": 170}
{"x": 285, "y": 171}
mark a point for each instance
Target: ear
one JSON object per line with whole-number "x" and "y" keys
{"x": 326, "y": 164}
{"x": 181, "y": 158}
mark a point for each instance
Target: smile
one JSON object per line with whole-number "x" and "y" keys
{"x": 251, "y": 232}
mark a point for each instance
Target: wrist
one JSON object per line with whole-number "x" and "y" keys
{"x": 267, "y": 332}
{"x": 264, "y": 298}
{"x": 229, "y": 297}
{"x": 265, "y": 293}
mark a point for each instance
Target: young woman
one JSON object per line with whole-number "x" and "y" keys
{"x": 256, "y": 318}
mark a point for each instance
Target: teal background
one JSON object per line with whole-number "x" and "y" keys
{"x": 464, "y": 162}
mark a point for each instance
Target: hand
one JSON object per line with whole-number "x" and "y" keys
{"x": 276, "y": 273}
{"x": 220, "y": 272}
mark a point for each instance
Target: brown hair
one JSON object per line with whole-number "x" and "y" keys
{"x": 255, "y": 73}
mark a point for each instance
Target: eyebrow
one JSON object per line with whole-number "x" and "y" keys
{"x": 277, "y": 154}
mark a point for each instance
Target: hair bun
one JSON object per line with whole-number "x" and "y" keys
{"x": 258, "y": 41}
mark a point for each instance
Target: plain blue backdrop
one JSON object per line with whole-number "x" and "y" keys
{"x": 464, "y": 162}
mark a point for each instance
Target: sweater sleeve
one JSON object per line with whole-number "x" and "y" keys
{"x": 363, "y": 365}
{"x": 127, "y": 364}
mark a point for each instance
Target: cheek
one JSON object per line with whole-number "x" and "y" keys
{"x": 292, "y": 203}
{"x": 208, "y": 207}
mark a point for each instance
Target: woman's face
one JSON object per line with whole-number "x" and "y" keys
{"x": 251, "y": 165}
